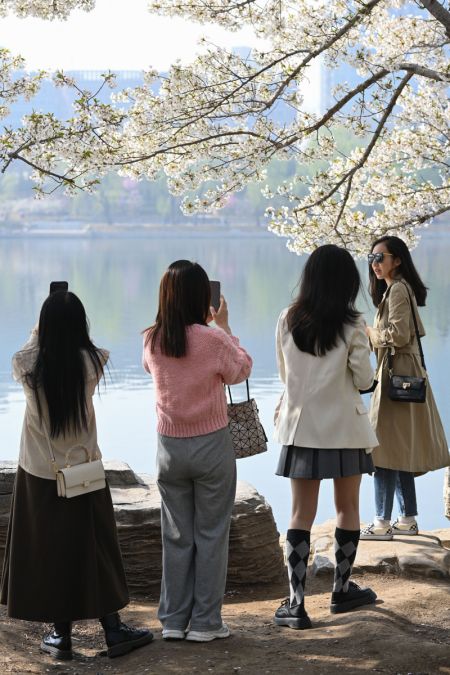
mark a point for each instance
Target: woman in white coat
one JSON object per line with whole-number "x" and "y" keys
{"x": 324, "y": 360}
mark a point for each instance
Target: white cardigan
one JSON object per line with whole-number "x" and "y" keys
{"x": 321, "y": 406}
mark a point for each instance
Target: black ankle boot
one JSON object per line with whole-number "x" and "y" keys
{"x": 120, "y": 638}
{"x": 58, "y": 642}
{"x": 343, "y": 601}
{"x": 293, "y": 616}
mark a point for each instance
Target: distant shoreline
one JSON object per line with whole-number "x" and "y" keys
{"x": 191, "y": 231}
{"x": 135, "y": 233}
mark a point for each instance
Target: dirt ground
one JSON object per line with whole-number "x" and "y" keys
{"x": 406, "y": 633}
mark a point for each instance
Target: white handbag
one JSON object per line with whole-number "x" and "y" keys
{"x": 77, "y": 479}
{"x": 80, "y": 479}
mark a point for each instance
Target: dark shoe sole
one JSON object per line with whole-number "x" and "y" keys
{"x": 340, "y": 607}
{"x": 61, "y": 654}
{"x": 295, "y": 623}
{"x": 127, "y": 647}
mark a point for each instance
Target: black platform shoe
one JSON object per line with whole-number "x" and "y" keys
{"x": 120, "y": 638}
{"x": 58, "y": 642}
{"x": 292, "y": 616}
{"x": 355, "y": 597}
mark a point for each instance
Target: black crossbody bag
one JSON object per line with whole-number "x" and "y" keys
{"x": 406, "y": 387}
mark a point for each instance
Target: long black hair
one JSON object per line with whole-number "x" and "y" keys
{"x": 329, "y": 286}
{"x": 184, "y": 299}
{"x": 59, "y": 371}
{"x": 406, "y": 270}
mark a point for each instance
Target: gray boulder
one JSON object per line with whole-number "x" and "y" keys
{"x": 255, "y": 556}
{"x": 424, "y": 555}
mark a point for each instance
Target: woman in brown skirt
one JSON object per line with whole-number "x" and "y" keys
{"x": 62, "y": 559}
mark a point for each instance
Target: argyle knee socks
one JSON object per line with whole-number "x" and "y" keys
{"x": 345, "y": 547}
{"x": 297, "y": 554}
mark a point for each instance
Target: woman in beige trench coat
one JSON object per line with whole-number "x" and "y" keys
{"x": 411, "y": 437}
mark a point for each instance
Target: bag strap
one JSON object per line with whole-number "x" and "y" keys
{"x": 416, "y": 328}
{"x": 248, "y": 392}
{"x": 53, "y": 462}
{"x": 55, "y": 466}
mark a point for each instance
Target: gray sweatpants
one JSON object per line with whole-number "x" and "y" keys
{"x": 197, "y": 482}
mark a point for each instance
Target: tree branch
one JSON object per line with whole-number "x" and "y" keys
{"x": 366, "y": 9}
{"x": 338, "y": 106}
{"x": 439, "y": 12}
{"x": 419, "y": 220}
{"x": 348, "y": 176}
{"x": 416, "y": 69}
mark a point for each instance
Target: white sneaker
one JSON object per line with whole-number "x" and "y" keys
{"x": 208, "y": 635}
{"x": 173, "y": 634}
{"x": 409, "y": 529}
{"x": 376, "y": 533}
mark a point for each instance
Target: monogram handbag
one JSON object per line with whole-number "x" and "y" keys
{"x": 407, "y": 388}
{"x": 77, "y": 479}
{"x": 246, "y": 430}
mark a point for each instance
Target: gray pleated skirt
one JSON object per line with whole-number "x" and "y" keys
{"x": 318, "y": 463}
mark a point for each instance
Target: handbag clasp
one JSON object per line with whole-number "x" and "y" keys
{"x": 406, "y": 385}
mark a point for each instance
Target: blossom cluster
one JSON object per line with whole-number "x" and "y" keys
{"x": 44, "y": 9}
{"x": 72, "y": 153}
{"x": 14, "y": 86}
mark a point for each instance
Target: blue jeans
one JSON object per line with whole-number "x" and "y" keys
{"x": 388, "y": 482}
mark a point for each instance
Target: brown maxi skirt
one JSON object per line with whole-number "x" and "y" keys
{"x": 62, "y": 557}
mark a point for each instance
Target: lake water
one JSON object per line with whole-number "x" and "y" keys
{"x": 117, "y": 280}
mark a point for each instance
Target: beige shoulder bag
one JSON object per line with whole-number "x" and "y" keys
{"x": 77, "y": 479}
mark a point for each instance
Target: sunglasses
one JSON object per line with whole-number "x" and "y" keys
{"x": 377, "y": 257}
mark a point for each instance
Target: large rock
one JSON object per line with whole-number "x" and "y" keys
{"x": 447, "y": 493}
{"x": 424, "y": 555}
{"x": 254, "y": 556}
{"x": 7, "y": 475}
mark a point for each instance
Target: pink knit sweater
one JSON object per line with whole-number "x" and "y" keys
{"x": 190, "y": 398}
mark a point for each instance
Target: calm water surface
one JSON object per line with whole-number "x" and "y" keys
{"x": 118, "y": 279}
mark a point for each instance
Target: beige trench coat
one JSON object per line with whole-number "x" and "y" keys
{"x": 411, "y": 435}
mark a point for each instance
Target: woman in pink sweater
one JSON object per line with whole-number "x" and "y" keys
{"x": 196, "y": 469}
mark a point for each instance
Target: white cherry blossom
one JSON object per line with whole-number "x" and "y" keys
{"x": 44, "y": 9}
{"x": 210, "y": 125}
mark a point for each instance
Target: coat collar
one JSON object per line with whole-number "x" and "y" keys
{"x": 386, "y": 293}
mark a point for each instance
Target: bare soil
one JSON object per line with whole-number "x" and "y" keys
{"x": 406, "y": 633}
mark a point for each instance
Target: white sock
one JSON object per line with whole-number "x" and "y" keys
{"x": 379, "y": 522}
{"x": 407, "y": 520}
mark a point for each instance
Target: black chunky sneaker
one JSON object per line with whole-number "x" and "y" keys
{"x": 120, "y": 638}
{"x": 355, "y": 597}
{"x": 58, "y": 642}
{"x": 292, "y": 616}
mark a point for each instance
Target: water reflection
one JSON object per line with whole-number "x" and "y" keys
{"x": 118, "y": 279}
